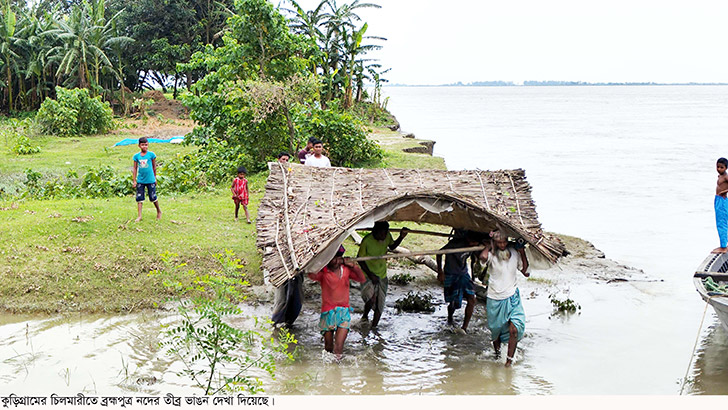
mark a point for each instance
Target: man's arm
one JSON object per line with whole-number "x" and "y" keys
{"x": 154, "y": 167}
{"x": 524, "y": 262}
{"x": 134, "y": 175}
{"x": 372, "y": 277}
{"x": 483, "y": 255}
{"x": 399, "y": 240}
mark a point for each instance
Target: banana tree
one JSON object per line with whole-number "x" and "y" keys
{"x": 8, "y": 45}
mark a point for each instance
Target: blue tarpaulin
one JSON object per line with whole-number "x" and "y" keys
{"x": 134, "y": 141}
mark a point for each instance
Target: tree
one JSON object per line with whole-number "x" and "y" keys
{"x": 8, "y": 47}
{"x": 259, "y": 92}
{"x": 166, "y": 33}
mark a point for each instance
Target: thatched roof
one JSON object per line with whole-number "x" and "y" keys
{"x": 301, "y": 230}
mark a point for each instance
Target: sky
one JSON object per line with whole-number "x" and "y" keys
{"x": 440, "y": 42}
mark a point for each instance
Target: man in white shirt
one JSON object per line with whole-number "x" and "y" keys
{"x": 506, "y": 318}
{"x": 317, "y": 159}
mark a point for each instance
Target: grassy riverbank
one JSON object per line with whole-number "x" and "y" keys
{"x": 90, "y": 255}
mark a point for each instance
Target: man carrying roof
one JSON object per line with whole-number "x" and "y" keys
{"x": 374, "y": 290}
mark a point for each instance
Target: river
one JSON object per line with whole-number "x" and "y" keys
{"x": 630, "y": 169}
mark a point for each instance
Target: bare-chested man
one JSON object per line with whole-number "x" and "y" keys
{"x": 721, "y": 205}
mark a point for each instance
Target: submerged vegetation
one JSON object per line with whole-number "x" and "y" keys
{"x": 415, "y": 302}
{"x": 564, "y": 305}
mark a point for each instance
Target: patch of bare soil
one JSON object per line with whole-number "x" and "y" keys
{"x": 156, "y": 127}
{"x": 165, "y": 107}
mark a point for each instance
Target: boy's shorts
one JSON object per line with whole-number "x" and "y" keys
{"x": 151, "y": 189}
{"x": 335, "y": 318}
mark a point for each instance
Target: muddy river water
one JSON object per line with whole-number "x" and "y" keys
{"x": 630, "y": 169}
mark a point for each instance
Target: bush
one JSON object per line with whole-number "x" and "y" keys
{"x": 182, "y": 173}
{"x": 373, "y": 114}
{"x": 216, "y": 355}
{"x": 74, "y": 112}
{"x": 96, "y": 183}
{"x": 24, "y": 147}
{"x": 104, "y": 183}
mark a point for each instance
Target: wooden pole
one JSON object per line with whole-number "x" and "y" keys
{"x": 415, "y": 231}
{"x": 715, "y": 275}
{"x": 419, "y": 253}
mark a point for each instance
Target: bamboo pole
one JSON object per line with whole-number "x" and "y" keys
{"x": 415, "y": 231}
{"x": 715, "y": 275}
{"x": 419, "y": 253}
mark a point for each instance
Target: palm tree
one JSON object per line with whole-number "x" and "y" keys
{"x": 35, "y": 59}
{"x": 343, "y": 44}
{"x": 85, "y": 37}
{"x": 8, "y": 47}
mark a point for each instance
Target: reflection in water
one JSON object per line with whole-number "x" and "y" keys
{"x": 710, "y": 371}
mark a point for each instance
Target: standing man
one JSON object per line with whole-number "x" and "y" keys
{"x": 506, "y": 318}
{"x": 306, "y": 151}
{"x": 456, "y": 279}
{"x": 374, "y": 290}
{"x": 318, "y": 159}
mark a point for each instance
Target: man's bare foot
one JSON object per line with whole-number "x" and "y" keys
{"x": 719, "y": 250}
{"x": 159, "y": 215}
{"x": 509, "y": 363}
{"x": 249, "y": 221}
{"x": 138, "y": 219}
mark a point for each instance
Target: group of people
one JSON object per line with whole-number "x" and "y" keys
{"x": 144, "y": 175}
{"x": 505, "y": 315}
{"x": 311, "y": 155}
{"x": 502, "y": 259}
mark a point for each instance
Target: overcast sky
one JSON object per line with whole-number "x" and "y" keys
{"x": 438, "y": 42}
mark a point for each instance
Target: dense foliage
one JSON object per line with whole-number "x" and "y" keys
{"x": 260, "y": 97}
{"x": 74, "y": 112}
{"x": 258, "y": 82}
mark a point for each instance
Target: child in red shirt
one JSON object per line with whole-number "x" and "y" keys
{"x": 335, "y": 317}
{"x": 240, "y": 192}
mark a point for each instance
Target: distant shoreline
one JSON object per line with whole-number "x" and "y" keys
{"x": 549, "y": 84}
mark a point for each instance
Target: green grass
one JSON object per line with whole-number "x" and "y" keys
{"x": 59, "y": 155}
{"x": 89, "y": 254}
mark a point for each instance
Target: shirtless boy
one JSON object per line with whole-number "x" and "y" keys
{"x": 721, "y": 205}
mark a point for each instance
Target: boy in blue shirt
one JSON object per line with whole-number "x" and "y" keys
{"x": 144, "y": 175}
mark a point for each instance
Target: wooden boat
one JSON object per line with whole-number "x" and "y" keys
{"x": 715, "y": 266}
